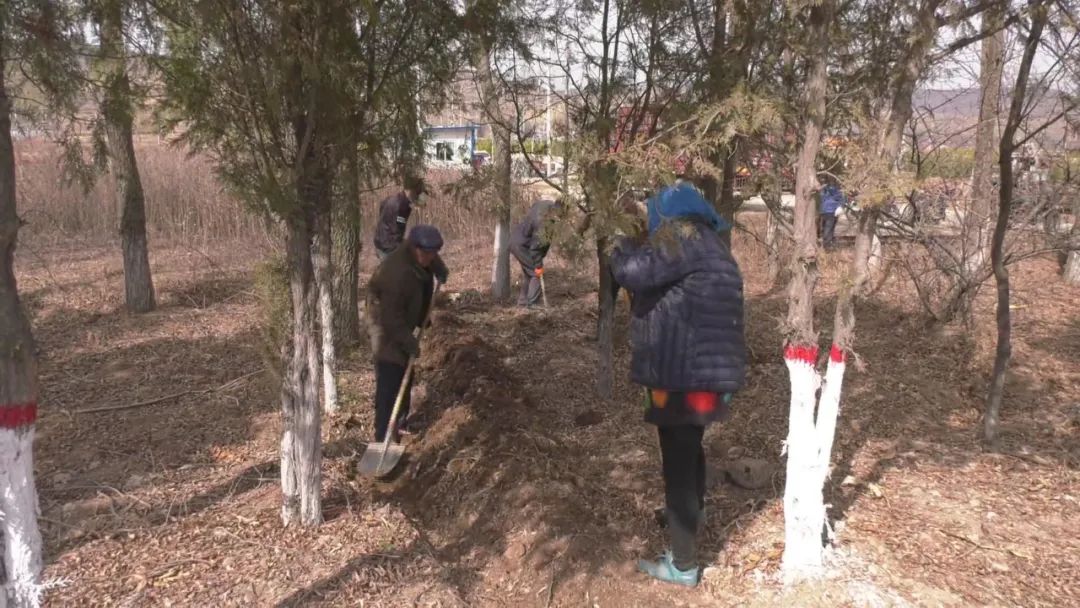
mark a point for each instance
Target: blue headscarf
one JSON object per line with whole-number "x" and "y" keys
{"x": 683, "y": 201}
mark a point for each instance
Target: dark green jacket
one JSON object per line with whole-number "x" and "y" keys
{"x": 398, "y": 297}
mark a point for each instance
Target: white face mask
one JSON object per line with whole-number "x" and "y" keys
{"x": 419, "y": 199}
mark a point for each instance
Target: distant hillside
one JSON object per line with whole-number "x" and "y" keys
{"x": 947, "y": 117}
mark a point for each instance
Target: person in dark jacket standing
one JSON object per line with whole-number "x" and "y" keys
{"x": 832, "y": 201}
{"x": 529, "y": 243}
{"x": 688, "y": 351}
{"x": 394, "y": 212}
{"x": 398, "y": 296}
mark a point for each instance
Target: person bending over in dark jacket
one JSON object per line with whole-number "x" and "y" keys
{"x": 529, "y": 243}
{"x": 394, "y": 212}
{"x": 688, "y": 351}
{"x": 399, "y": 294}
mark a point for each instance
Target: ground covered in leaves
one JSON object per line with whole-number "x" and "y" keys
{"x": 524, "y": 488}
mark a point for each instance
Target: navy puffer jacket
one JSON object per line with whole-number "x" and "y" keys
{"x": 687, "y": 314}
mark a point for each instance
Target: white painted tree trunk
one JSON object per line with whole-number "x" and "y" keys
{"x": 301, "y": 449}
{"x": 18, "y": 518}
{"x": 324, "y": 277}
{"x": 500, "y": 268}
{"x": 1072, "y": 268}
{"x": 809, "y": 449}
{"x": 329, "y": 356}
{"x": 492, "y": 93}
{"x": 20, "y": 540}
{"x": 500, "y": 261}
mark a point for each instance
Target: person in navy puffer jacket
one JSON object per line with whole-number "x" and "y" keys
{"x": 832, "y": 200}
{"x": 688, "y": 351}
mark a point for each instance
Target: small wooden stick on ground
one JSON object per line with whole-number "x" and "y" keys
{"x": 156, "y": 400}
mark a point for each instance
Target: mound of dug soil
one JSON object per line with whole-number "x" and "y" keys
{"x": 482, "y": 478}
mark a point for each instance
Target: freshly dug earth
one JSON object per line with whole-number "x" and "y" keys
{"x": 525, "y": 489}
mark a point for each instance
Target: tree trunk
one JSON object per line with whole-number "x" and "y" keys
{"x": 980, "y": 214}
{"x": 117, "y": 111}
{"x": 726, "y": 204}
{"x": 500, "y": 268}
{"x": 500, "y": 131}
{"x": 20, "y": 566}
{"x": 1070, "y": 268}
{"x": 859, "y": 278}
{"x": 772, "y": 243}
{"x": 804, "y": 506}
{"x": 605, "y": 322}
{"x": 721, "y": 193}
{"x": 346, "y": 260}
{"x": 1003, "y": 351}
{"x": 324, "y": 278}
{"x": 301, "y": 454}
{"x": 810, "y": 439}
{"x": 1071, "y": 273}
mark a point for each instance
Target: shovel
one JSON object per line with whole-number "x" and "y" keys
{"x": 381, "y": 458}
{"x": 543, "y": 290}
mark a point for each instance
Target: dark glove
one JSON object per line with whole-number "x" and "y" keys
{"x": 411, "y": 346}
{"x": 442, "y": 276}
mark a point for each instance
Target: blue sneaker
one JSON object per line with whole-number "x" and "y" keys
{"x": 664, "y": 569}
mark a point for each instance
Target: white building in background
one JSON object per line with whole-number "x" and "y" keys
{"x": 452, "y": 146}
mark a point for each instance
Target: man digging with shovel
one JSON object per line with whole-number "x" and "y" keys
{"x": 400, "y": 293}
{"x": 530, "y": 243}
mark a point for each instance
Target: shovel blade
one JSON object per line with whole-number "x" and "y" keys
{"x": 378, "y": 460}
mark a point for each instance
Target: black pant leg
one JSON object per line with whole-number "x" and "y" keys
{"x": 534, "y": 290}
{"x": 680, "y": 447}
{"x": 388, "y": 378}
{"x": 829, "y": 229}
{"x": 530, "y": 286}
{"x": 526, "y": 277}
{"x": 701, "y": 477}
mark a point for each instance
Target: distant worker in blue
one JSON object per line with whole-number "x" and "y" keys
{"x": 832, "y": 203}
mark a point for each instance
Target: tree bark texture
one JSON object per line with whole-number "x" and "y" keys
{"x": 1071, "y": 272}
{"x": 859, "y": 275}
{"x": 20, "y": 539}
{"x": 324, "y": 279}
{"x": 1070, "y": 269}
{"x": 346, "y": 259}
{"x": 800, "y": 321}
{"x": 908, "y": 72}
{"x": 500, "y": 271}
{"x": 772, "y": 242}
{"x": 980, "y": 217}
{"x": 301, "y": 451}
{"x": 301, "y": 454}
{"x": 605, "y": 322}
{"x": 118, "y": 114}
{"x": 503, "y": 185}
{"x": 991, "y": 67}
{"x": 1003, "y": 351}
{"x": 726, "y": 205}
{"x": 804, "y": 507}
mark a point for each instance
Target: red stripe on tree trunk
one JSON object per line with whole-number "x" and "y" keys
{"x": 17, "y": 415}
{"x": 797, "y": 352}
{"x": 836, "y": 354}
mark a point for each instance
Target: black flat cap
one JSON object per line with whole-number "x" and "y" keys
{"x": 426, "y": 237}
